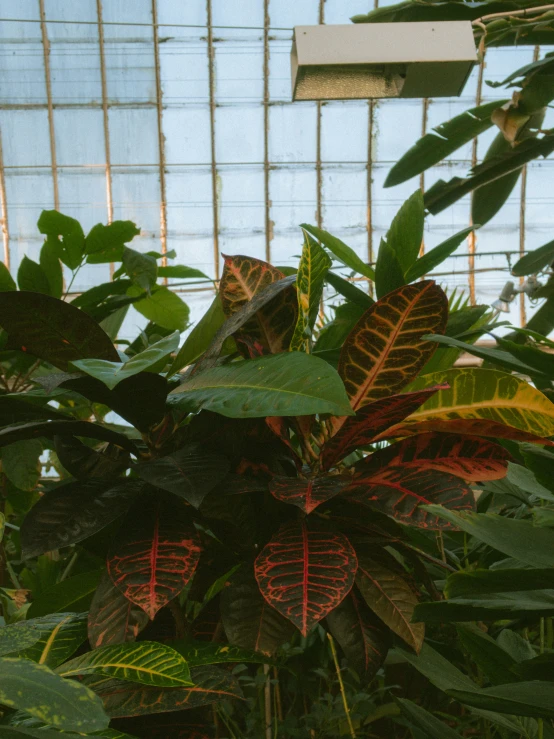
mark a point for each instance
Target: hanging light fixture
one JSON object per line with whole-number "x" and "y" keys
{"x": 509, "y": 292}
{"x": 381, "y": 60}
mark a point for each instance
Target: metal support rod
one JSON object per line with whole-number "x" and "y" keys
{"x": 318, "y": 170}
{"x": 471, "y": 239}
{"x": 215, "y": 196}
{"x": 105, "y": 118}
{"x": 161, "y": 138}
{"x": 4, "y": 204}
{"x": 369, "y": 185}
{"x": 267, "y": 201}
{"x": 48, "y": 81}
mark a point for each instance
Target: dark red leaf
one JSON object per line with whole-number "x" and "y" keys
{"x": 307, "y": 494}
{"x": 279, "y": 427}
{"x": 155, "y": 554}
{"x": 401, "y": 491}
{"x": 370, "y": 421}
{"x": 305, "y": 573}
{"x": 112, "y": 619}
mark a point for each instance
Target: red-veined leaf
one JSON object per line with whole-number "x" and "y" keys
{"x": 362, "y": 637}
{"x": 370, "y": 421}
{"x": 305, "y": 573}
{"x": 468, "y": 457}
{"x": 279, "y": 427}
{"x": 384, "y": 351}
{"x": 307, "y": 494}
{"x": 400, "y": 492}
{"x": 248, "y": 619}
{"x": 273, "y": 325}
{"x": 155, "y": 554}
{"x": 390, "y": 596}
{"x": 113, "y": 619}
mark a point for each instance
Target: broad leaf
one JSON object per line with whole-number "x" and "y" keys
{"x": 49, "y": 429}
{"x": 342, "y": 252}
{"x": 534, "y": 698}
{"x": 190, "y": 472}
{"x": 65, "y": 234}
{"x": 21, "y": 463}
{"x": 125, "y": 699}
{"x": 52, "y": 330}
{"x": 494, "y": 607}
{"x": 198, "y": 653}
{"x": 442, "y": 141}
{"x": 494, "y": 662}
{"x": 402, "y": 491}
{"x": 489, "y": 199}
{"x": 534, "y": 261}
{"x": 385, "y": 351}
{"x": 433, "y": 727}
{"x": 52, "y": 268}
{"x": 389, "y": 273}
{"x": 83, "y": 462}
{"x": 65, "y": 704}
{"x": 163, "y": 307}
{"x": 305, "y": 573}
{"x": 18, "y": 636}
{"x": 73, "y": 594}
{"x": 370, "y": 421}
{"x": 61, "y": 634}
{"x": 405, "y": 234}
{"x": 314, "y": 264}
{"x": 437, "y": 669}
{"x": 146, "y": 662}
{"x": 432, "y": 258}
{"x": 390, "y": 597}
{"x": 32, "y": 277}
{"x": 282, "y": 385}
{"x": 7, "y": 283}
{"x": 307, "y": 494}
{"x": 349, "y": 290}
{"x": 362, "y": 637}
{"x": 471, "y": 583}
{"x": 73, "y": 512}
{"x": 273, "y": 324}
{"x": 141, "y": 268}
{"x": 182, "y": 272}
{"x": 249, "y": 621}
{"x": 105, "y": 243}
{"x": 112, "y": 373}
{"x": 112, "y": 618}
{"x": 155, "y": 553}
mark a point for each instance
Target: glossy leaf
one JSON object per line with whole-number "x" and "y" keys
{"x": 18, "y": 636}
{"x": 471, "y": 583}
{"x": 433, "y": 727}
{"x": 21, "y": 463}
{"x": 199, "y": 653}
{"x": 163, "y": 307}
{"x": 489, "y": 199}
{"x": 190, "y": 472}
{"x": 437, "y": 669}
{"x": 65, "y": 234}
{"x": 49, "y": 429}
{"x": 61, "y": 634}
{"x": 534, "y": 261}
{"x": 348, "y": 290}
{"x": 342, "y": 252}
{"x": 182, "y": 272}
{"x": 83, "y": 462}
{"x": 113, "y": 619}
{"x": 314, "y": 264}
{"x": 390, "y": 597}
{"x": 307, "y": 494}
{"x": 442, "y": 141}
{"x": 432, "y": 258}
{"x": 32, "y": 277}
{"x": 64, "y": 704}
{"x": 155, "y": 554}
{"x": 533, "y": 698}
{"x": 362, "y": 637}
{"x": 272, "y": 325}
{"x": 370, "y": 421}
{"x": 52, "y": 268}
{"x": 292, "y": 383}
{"x": 73, "y": 512}
{"x": 7, "y": 283}
{"x": 389, "y": 273}
{"x": 405, "y": 234}
{"x": 491, "y": 659}
{"x": 125, "y": 699}
{"x": 384, "y": 351}
{"x": 141, "y": 268}
{"x": 52, "y": 330}
{"x": 305, "y": 574}
{"x": 73, "y": 594}
{"x": 248, "y": 619}
{"x": 106, "y": 243}
{"x": 112, "y": 373}
{"x": 493, "y": 607}
{"x": 146, "y": 662}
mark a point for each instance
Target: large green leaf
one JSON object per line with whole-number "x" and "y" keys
{"x": 73, "y": 594}
{"x": 471, "y": 583}
{"x": 105, "y": 243}
{"x": 84, "y": 462}
{"x": 489, "y": 198}
{"x": 61, "y": 634}
{"x": 437, "y": 669}
{"x": 534, "y": 261}
{"x": 210, "y": 653}
{"x": 32, "y": 277}
{"x": 495, "y": 663}
{"x": 146, "y": 662}
{"x": 314, "y": 264}
{"x": 112, "y": 618}
{"x": 65, "y": 234}
{"x": 52, "y": 268}
{"x": 21, "y": 463}
{"x": 64, "y": 704}
{"x": 405, "y": 234}
{"x": 163, "y": 307}
{"x": 442, "y": 141}
{"x": 18, "y": 636}
{"x": 7, "y": 283}
{"x": 389, "y": 273}
{"x": 52, "y": 330}
{"x": 432, "y": 258}
{"x": 342, "y": 252}
{"x": 496, "y": 606}
{"x": 349, "y": 290}
{"x": 112, "y": 373}
{"x": 141, "y": 268}
{"x": 432, "y": 726}
{"x": 50, "y": 429}
{"x": 533, "y": 698}
{"x": 281, "y": 385}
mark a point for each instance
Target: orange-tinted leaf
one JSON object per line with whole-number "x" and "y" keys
{"x": 304, "y": 574}
{"x": 155, "y": 554}
{"x": 113, "y": 619}
{"x": 472, "y": 426}
{"x": 401, "y": 491}
{"x": 384, "y": 351}
{"x": 370, "y": 421}
{"x": 468, "y": 457}
{"x": 273, "y": 325}
{"x": 307, "y": 494}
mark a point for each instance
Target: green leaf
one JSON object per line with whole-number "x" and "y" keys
{"x": 182, "y": 272}
{"x": 389, "y": 273}
{"x": 519, "y": 604}
{"x": 349, "y": 290}
{"x": 18, "y": 636}
{"x": 433, "y": 727}
{"x": 52, "y": 268}
{"x": 494, "y": 662}
{"x": 49, "y": 429}
{"x": 488, "y": 199}
{"x": 64, "y": 704}
{"x": 333, "y": 334}
{"x": 65, "y": 234}
{"x": 314, "y": 264}
{"x": 534, "y": 261}
{"x": 343, "y": 253}
{"x": 279, "y": 385}
{"x": 438, "y": 670}
{"x": 73, "y": 594}
{"x": 405, "y": 234}
{"x": 112, "y": 373}
{"x": 20, "y": 732}
{"x": 534, "y": 698}
{"x": 436, "y": 256}
{"x": 147, "y": 662}
{"x": 517, "y": 538}
{"x": 142, "y": 269}
{"x": 473, "y": 583}
{"x": 61, "y": 634}
{"x": 32, "y": 277}
{"x": 106, "y": 243}
{"x": 7, "y": 283}
{"x": 209, "y": 653}
{"x": 442, "y": 141}
{"x": 538, "y": 360}
{"x": 164, "y": 308}
{"x": 21, "y": 464}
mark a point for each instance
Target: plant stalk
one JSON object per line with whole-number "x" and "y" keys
{"x": 341, "y": 684}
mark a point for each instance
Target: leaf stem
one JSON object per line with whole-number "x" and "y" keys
{"x": 341, "y": 684}
{"x": 70, "y": 565}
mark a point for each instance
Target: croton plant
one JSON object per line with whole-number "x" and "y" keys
{"x": 211, "y": 501}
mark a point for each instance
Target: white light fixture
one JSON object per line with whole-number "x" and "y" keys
{"x": 509, "y": 292}
{"x": 381, "y": 60}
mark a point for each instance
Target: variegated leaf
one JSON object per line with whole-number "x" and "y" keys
{"x": 307, "y": 494}
{"x": 475, "y": 427}
{"x": 112, "y": 618}
{"x": 18, "y": 636}
{"x": 61, "y": 634}
{"x": 305, "y": 573}
{"x": 313, "y": 266}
